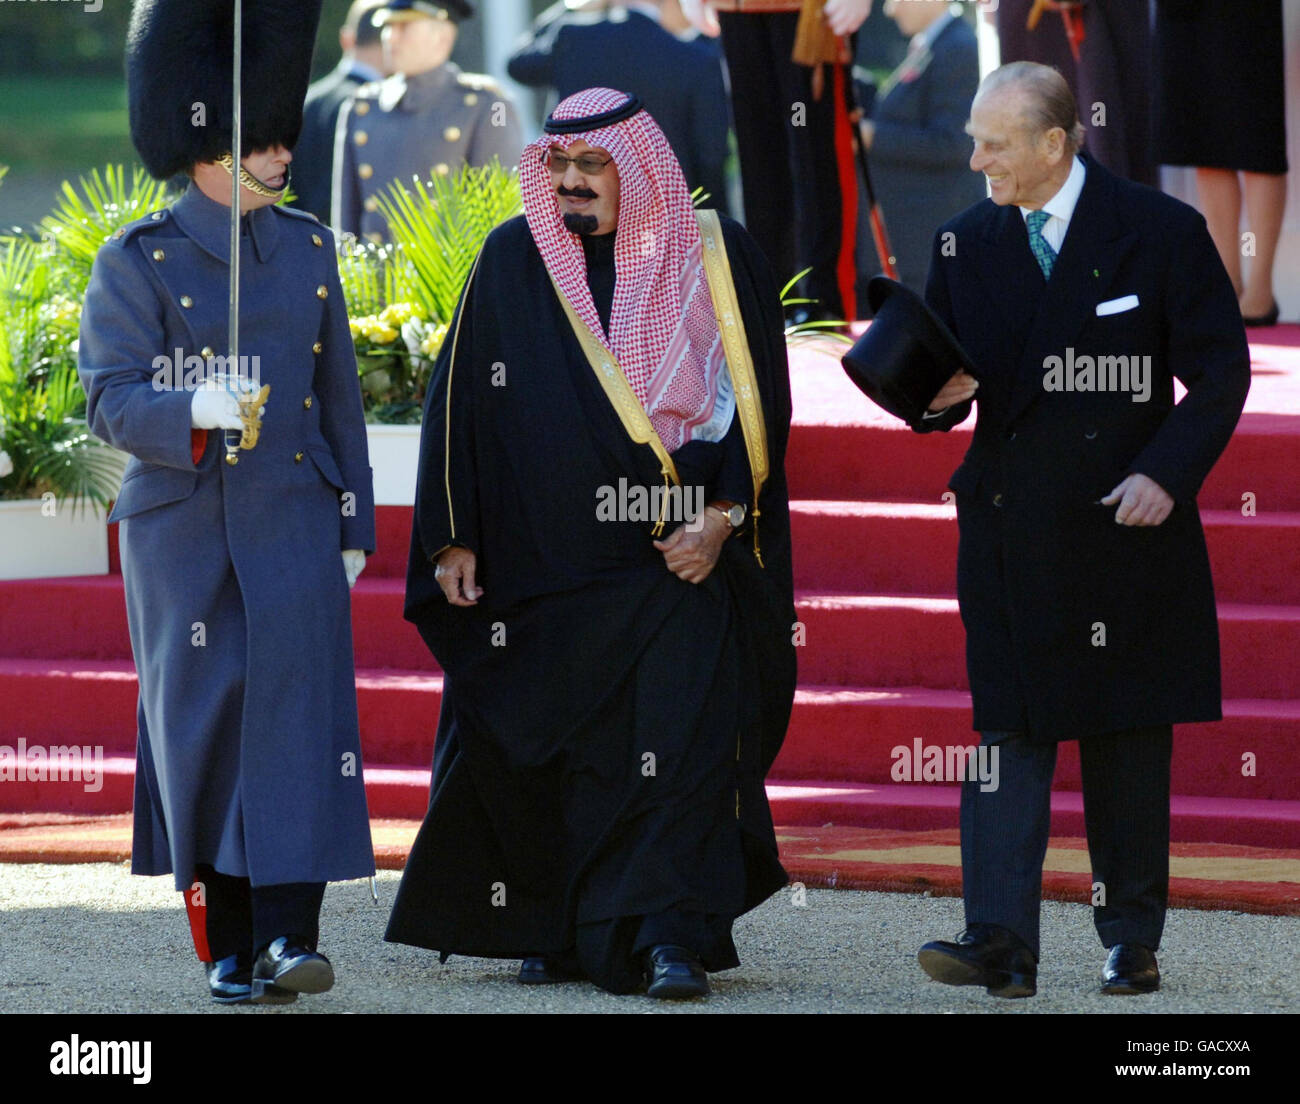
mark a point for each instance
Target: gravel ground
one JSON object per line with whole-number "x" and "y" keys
{"x": 92, "y": 938}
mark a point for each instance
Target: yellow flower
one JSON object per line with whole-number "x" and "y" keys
{"x": 381, "y": 334}
{"x": 395, "y": 314}
{"x": 433, "y": 340}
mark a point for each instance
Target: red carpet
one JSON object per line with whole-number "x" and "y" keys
{"x": 1206, "y": 876}
{"x": 882, "y": 664}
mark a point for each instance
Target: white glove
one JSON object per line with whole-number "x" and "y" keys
{"x": 354, "y": 562}
{"x": 700, "y": 16}
{"x": 215, "y": 409}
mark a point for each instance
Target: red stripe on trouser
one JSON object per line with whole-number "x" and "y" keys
{"x": 845, "y": 269}
{"x": 198, "y": 915}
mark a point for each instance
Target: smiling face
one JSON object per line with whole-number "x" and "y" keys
{"x": 1022, "y": 168}
{"x": 593, "y": 195}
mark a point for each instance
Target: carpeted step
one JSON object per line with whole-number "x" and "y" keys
{"x": 850, "y": 639}
{"x": 911, "y": 548}
{"x": 918, "y": 807}
{"x": 851, "y": 733}
{"x": 842, "y": 446}
{"x": 404, "y": 792}
{"x": 913, "y": 640}
{"x": 835, "y": 732}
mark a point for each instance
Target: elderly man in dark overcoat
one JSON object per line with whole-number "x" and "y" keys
{"x": 1082, "y": 571}
{"x": 236, "y": 562}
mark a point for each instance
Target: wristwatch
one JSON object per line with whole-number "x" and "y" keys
{"x": 733, "y": 515}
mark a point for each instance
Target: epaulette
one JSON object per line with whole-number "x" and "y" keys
{"x": 478, "y": 82}
{"x": 294, "y": 212}
{"x": 124, "y": 234}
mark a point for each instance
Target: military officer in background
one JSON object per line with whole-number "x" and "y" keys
{"x": 236, "y": 561}
{"x": 362, "y": 63}
{"x": 427, "y": 119}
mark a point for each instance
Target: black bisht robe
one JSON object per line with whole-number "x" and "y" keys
{"x": 605, "y": 726}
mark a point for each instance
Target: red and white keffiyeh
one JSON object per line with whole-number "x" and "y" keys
{"x": 662, "y": 328}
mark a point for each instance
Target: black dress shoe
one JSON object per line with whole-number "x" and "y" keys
{"x": 287, "y": 967}
{"x": 1130, "y": 969}
{"x": 230, "y": 979}
{"x": 984, "y": 954}
{"x": 546, "y": 970}
{"x": 675, "y": 973}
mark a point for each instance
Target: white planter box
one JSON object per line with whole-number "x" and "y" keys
{"x": 34, "y": 545}
{"x": 394, "y": 458}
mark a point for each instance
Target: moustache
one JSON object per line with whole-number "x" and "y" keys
{"x": 576, "y": 193}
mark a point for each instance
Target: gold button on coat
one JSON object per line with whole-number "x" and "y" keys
{"x": 442, "y": 168}
{"x": 371, "y": 204}
{"x": 306, "y": 403}
{"x": 322, "y": 292}
{"x": 159, "y": 255}
{"x": 297, "y": 457}
{"x": 186, "y": 301}
{"x": 361, "y": 137}
{"x": 316, "y": 241}
{"x": 317, "y": 347}
{"x": 206, "y": 352}
{"x": 365, "y": 171}
{"x": 452, "y": 134}
{"x": 471, "y": 99}
{"x": 361, "y": 107}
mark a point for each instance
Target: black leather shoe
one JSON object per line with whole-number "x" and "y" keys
{"x": 287, "y": 967}
{"x": 230, "y": 979}
{"x": 675, "y": 973}
{"x": 545, "y": 970}
{"x": 984, "y": 954}
{"x": 1130, "y": 969}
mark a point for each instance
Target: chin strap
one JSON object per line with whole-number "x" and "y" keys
{"x": 248, "y": 180}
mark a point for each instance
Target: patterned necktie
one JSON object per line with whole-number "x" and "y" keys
{"x": 1044, "y": 254}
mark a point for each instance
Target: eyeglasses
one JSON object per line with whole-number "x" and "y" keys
{"x": 588, "y": 164}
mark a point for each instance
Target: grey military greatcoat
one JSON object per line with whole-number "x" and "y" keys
{"x": 420, "y": 126}
{"x": 248, "y": 755}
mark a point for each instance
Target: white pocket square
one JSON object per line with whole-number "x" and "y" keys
{"x": 1117, "y": 306}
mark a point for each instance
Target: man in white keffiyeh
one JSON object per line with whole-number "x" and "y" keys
{"x": 618, "y": 665}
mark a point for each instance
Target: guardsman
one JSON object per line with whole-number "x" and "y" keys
{"x": 248, "y": 784}
{"x": 427, "y": 119}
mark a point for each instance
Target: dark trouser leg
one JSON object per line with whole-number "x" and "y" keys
{"x": 221, "y": 917}
{"x": 761, "y": 106}
{"x": 292, "y": 908}
{"x": 1004, "y": 837}
{"x": 1126, "y": 810}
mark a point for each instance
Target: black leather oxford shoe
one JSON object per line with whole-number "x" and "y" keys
{"x": 287, "y": 967}
{"x": 1130, "y": 969}
{"x": 987, "y": 955}
{"x": 675, "y": 973}
{"x": 230, "y": 979}
{"x": 547, "y": 970}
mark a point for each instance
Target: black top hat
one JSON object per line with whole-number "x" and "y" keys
{"x": 907, "y": 353}
{"x": 402, "y": 11}
{"x": 179, "y": 65}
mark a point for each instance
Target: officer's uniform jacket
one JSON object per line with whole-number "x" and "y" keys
{"x": 248, "y": 754}
{"x": 404, "y": 127}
